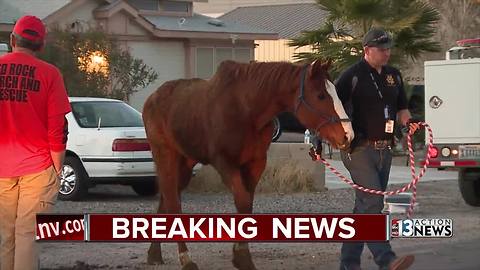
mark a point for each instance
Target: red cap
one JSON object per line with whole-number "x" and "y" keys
{"x": 31, "y": 28}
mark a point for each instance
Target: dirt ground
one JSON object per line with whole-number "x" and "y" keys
{"x": 436, "y": 199}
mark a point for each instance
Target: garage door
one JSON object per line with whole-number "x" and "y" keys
{"x": 168, "y": 60}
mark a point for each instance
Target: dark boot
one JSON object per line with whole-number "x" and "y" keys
{"x": 350, "y": 267}
{"x": 400, "y": 263}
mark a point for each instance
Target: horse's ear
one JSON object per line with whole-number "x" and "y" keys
{"x": 316, "y": 68}
{"x": 327, "y": 64}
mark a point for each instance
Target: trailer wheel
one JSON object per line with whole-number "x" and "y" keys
{"x": 469, "y": 183}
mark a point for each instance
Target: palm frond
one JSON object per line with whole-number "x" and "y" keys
{"x": 411, "y": 22}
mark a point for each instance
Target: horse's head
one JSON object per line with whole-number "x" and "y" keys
{"x": 318, "y": 106}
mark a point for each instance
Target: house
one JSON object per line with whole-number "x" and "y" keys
{"x": 167, "y": 35}
{"x": 288, "y": 20}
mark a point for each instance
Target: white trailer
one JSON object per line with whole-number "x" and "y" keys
{"x": 3, "y": 48}
{"x": 452, "y": 109}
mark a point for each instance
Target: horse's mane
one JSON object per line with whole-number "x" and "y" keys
{"x": 266, "y": 75}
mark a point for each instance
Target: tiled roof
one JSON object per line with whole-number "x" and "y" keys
{"x": 108, "y": 5}
{"x": 200, "y": 23}
{"x": 222, "y": 6}
{"x": 10, "y": 11}
{"x": 286, "y": 20}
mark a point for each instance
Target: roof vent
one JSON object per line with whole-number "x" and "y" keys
{"x": 216, "y": 22}
{"x": 181, "y": 22}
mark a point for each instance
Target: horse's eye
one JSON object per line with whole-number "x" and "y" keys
{"x": 321, "y": 96}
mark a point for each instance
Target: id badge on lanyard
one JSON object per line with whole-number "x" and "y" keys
{"x": 389, "y": 124}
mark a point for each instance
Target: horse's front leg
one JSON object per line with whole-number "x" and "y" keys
{"x": 241, "y": 253}
{"x": 243, "y": 186}
{"x": 244, "y": 203}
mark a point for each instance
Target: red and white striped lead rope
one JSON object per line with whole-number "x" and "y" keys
{"x": 412, "y": 185}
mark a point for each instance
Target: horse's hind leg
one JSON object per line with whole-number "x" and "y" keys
{"x": 184, "y": 177}
{"x": 173, "y": 173}
{"x": 155, "y": 250}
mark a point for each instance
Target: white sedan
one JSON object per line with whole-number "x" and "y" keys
{"x": 106, "y": 144}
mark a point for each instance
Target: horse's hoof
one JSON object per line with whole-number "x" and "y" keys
{"x": 155, "y": 261}
{"x": 155, "y": 258}
{"x": 245, "y": 265}
{"x": 190, "y": 266}
{"x": 242, "y": 260}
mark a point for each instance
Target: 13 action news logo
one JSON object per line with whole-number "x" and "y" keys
{"x": 423, "y": 227}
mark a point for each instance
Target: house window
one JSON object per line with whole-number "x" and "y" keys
{"x": 205, "y": 66}
{"x": 173, "y": 6}
{"x": 144, "y": 4}
{"x": 208, "y": 59}
{"x": 222, "y": 54}
{"x": 243, "y": 55}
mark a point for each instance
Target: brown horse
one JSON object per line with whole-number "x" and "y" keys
{"x": 227, "y": 122}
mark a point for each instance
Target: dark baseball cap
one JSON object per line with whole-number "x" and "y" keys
{"x": 30, "y": 28}
{"x": 377, "y": 37}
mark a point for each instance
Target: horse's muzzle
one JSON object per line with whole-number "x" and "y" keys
{"x": 345, "y": 145}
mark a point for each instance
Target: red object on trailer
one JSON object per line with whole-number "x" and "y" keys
{"x": 469, "y": 42}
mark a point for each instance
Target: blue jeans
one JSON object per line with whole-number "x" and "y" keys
{"x": 370, "y": 168}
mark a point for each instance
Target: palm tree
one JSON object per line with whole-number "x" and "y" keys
{"x": 411, "y": 22}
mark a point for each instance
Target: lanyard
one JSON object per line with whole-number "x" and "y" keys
{"x": 376, "y": 86}
{"x": 386, "y": 110}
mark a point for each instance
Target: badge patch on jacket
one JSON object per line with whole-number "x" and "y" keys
{"x": 390, "y": 80}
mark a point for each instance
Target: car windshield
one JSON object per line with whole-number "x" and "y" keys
{"x": 110, "y": 114}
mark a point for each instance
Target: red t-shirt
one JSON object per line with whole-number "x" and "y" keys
{"x": 32, "y": 99}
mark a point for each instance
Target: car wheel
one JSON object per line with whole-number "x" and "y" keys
{"x": 73, "y": 180}
{"x": 277, "y": 129}
{"x": 469, "y": 183}
{"x": 145, "y": 188}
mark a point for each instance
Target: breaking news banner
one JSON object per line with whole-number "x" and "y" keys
{"x": 422, "y": 228}
{"x": 227, "y": 227}
{"x": 214, "y": 227}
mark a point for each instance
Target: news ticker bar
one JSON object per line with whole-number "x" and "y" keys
{"x": 213, "y": 227}
{"x": 236, "y": 227}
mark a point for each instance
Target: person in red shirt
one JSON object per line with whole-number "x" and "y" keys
{"x": 33, "y": 136}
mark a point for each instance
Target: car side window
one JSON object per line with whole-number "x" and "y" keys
{"x": 84, "y": 114}
{"x": 112, "y": 114}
